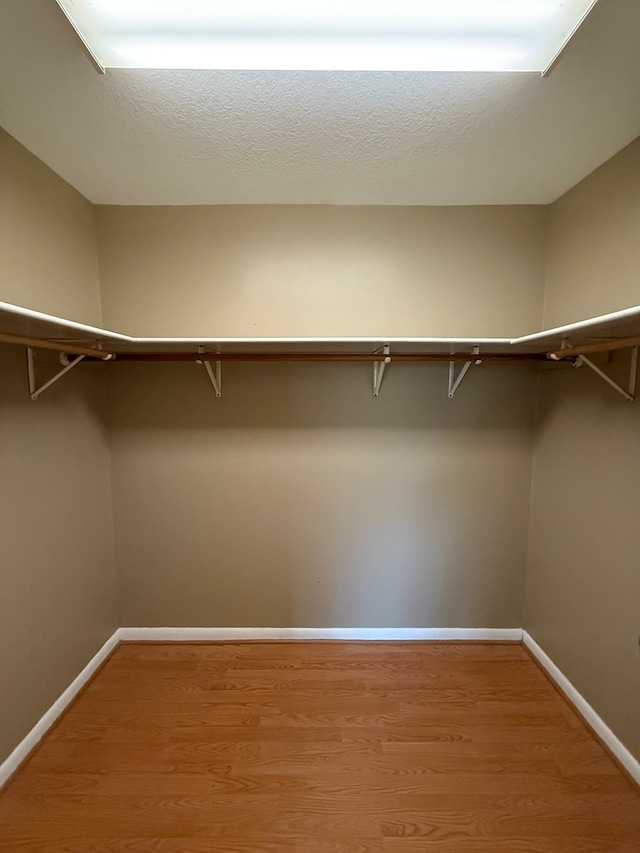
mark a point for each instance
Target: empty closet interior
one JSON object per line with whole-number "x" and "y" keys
{"x": 134, "y": 495}
{"x": 375, "y": 418}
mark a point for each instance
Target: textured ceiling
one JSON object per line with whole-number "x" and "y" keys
{"x": 215, "y": 137}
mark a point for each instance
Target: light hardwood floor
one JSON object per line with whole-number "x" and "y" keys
{"x": 324, "y": 747}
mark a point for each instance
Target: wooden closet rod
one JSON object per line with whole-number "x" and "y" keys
{"x": 72, "y": 349}
{"x": 329, "y": 356}
{"x": 600, "y": 346}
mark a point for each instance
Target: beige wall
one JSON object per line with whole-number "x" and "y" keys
{"x": 583, "y": 583}
{"x": 297, "y": 499}
{"x": 583, "y": 580}
{"x": 57, "y": 584}
{"x": 594, "y": 246}
{"x": 278, "y": 271}
{"x": 47, "y": 239}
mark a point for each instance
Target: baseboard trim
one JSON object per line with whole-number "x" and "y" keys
{"x": 213, "y": 634}
{"x": 28, "y": 743}
{"x": 593, "y": 720}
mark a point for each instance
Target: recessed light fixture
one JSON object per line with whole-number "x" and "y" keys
{"x": 341, "y": 35}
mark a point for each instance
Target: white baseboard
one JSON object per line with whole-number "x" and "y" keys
{"x": 22, "y": 750}
{"x": 593, "y": 720}
{"x": 212, "y": 634}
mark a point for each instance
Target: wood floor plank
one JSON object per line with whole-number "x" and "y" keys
{"x": 332, "y": 747}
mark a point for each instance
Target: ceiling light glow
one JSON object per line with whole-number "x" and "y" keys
{"x": 411, "y": 35}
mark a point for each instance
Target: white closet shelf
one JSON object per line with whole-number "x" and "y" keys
{"x": 574, "y": 342}
{"x": 609, "y": 331}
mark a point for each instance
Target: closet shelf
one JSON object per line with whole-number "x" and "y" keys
{"x": 598, "y": 334}
{"x": 574, "y": 342}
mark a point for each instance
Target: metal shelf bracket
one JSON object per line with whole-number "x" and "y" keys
{"x": 379, "y": 368}
{"x": 629, "y": 395}
{"x": 215, "y": 375}
{"x": 454, "y": 382}
{"x": 34, "y": 391}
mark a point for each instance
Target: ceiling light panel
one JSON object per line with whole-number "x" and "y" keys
{"x": 403, "y": 35}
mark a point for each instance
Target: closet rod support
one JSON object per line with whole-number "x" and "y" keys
{"x": 629, "y": 395}
{"x": 34, "y": 391}
{"x": 379, "y": 368}
{"x": 215, "y": 376}
{"x": 454, "y": 383}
